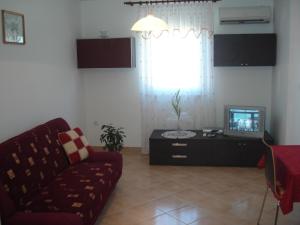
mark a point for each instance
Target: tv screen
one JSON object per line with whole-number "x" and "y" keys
{"x": 244, "y": 121}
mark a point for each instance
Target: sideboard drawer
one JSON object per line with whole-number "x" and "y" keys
{"x": 170, "y": 152}
{"x": 179, "y": 159}
{"x": 169, "y": 146}
{"x": 179, "y": 145}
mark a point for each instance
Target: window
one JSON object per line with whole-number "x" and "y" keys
{"x": 176, "y": 62}
{"x": 180, "y": 59}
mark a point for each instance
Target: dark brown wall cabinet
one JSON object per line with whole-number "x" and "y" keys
{"x": 244, "y": 49}
{"x": 106, "y": 53}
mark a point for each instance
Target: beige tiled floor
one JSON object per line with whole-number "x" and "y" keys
{"x": 173, "y": 195}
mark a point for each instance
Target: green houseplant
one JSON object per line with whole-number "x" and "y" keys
{"x": 112, "y": 137}
{"x": 176, "y": 104}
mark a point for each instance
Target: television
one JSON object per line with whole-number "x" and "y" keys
{"x": 244, "y": 121}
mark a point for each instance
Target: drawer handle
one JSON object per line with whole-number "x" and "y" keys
{"x": 179, "y": 144}
{"x": 179, "y": 156}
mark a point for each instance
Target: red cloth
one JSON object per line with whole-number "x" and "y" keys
{"x": 261, "y": 162}
{"x": 288, "y": 174}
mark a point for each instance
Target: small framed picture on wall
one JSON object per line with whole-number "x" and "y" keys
{"x": 13, "y": 27}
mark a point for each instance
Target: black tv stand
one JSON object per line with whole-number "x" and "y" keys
{"x": 220, "y": 150}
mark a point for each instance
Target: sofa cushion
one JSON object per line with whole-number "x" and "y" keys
{"x": 79, "y": 189}
{"x": 31, "y": 160}
{"x": 75, "y": 144}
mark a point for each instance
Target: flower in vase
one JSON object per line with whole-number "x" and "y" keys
{"x": 176, "y": 101}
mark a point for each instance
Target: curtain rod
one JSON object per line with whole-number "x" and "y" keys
{"x": 132, "y": 3}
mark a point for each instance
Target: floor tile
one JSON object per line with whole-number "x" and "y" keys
{"x": 181, "y": 195}
{"x": 169, "y": 203}
{"x": 163, "y": 220}
{"x": 189, "y": 214}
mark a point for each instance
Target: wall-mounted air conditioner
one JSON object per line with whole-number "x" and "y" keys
{"x": 245, "y": 15}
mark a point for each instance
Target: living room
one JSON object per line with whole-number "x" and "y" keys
{"x": 40, "y": 81}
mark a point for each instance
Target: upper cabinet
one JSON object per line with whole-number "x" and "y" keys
{"x": 244, "y": 50}
{"x": 106, "y": 53}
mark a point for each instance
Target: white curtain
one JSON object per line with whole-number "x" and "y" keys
{"x": 178, "y": 59}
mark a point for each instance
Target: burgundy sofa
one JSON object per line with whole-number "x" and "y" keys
{"x": 39, "y": 187}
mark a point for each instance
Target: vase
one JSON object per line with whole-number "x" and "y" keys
{"x": 179, "y": 130}
{"x": 178, "y": 125}
{"x": 185, "y": 122}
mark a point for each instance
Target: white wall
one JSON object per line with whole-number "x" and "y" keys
{"x": 286, "y": 81}
{"x": 293, "y": 124}
{"x": 250, "y": 86}
{"x": 111, "y": 95}
{"x": 39, "y": 81}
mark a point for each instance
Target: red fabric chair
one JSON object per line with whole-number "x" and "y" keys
{"x": 271, "y": 181}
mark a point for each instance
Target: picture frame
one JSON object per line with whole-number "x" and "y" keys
{"x": 13, "y": 28}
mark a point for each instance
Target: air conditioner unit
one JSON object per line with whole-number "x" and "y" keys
{"x": 245, "y": 15}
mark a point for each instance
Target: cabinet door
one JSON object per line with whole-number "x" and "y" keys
{"x": 105, "y": 53}
{"x": 227, "y": 50}
{"x": 202, "y": 153}
{"x": 245, "y": 50}
{"x": 227, "y": 153}
{"x": 92, "y": 53}
{"x": 119, "y": 53}
{"x": 258, "y": 50}
{"x": 159, "y": 152}
{"x": 238, "y": 153}
{"x": 252, "y": 151}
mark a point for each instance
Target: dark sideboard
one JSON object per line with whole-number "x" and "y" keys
{"x": 206, "y": 151}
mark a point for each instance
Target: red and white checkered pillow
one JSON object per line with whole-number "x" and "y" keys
{"x": 75, "y": 144}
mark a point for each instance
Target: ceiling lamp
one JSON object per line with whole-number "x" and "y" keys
{"x": 149, "y": 23}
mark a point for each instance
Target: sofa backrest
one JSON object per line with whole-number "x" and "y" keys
{"x": 31, "y": 160}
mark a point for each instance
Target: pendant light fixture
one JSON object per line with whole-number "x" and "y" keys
{"x": 150, "y": 23}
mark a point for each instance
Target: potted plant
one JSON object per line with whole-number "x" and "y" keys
{"x": 112, "y": 137}
{"x": 176, "y": 104}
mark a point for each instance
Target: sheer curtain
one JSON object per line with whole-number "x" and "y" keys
{"x": 178, "y": 59}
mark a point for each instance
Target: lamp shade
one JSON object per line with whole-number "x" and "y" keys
{"x": 149, "y": 23}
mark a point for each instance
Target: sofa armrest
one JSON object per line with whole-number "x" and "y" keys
{"x": 99, "y": 156}
{"x": 44, "y": 219}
